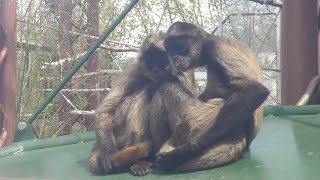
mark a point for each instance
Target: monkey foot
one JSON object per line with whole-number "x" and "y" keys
{"x": 105, "y": 164}
{"x": 170, "y": 160}
{"x": 140, "y": 168}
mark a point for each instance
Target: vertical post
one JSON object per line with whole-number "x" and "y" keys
{"x": 278, "y": 78}
{"x": 8, "y": 72}
{"x": 299, "y": 48}
{"x": 318, "y": 21}
{"x": 316, "y": 98}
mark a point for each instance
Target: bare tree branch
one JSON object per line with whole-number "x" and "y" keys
{"x": 79, "y": 112}
{"x": 268, "y": 2}
{"x": 81, "y": 90}
{"x": 114, "y": 49}
{"x": 100, "y": 72}
{"x": 79, "y": 34}
{"x": 109, "y": 48}
{"x": 62, "y": 61}
{"x": 270, "y": 69}
{"x": 240, "y": 14}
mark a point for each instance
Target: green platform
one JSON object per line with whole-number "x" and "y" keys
{"x": 288, "y": 147}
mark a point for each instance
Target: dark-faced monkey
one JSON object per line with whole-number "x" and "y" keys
{"x": 234, "y": 75}
{"x": 123, "y": 129}
{"x": 150, "y": 107}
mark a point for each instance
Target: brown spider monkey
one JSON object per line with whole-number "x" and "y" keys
{"x": 151, "y": 108}
{"x": 234, "y": 75}
{"x": 123, "y": 127}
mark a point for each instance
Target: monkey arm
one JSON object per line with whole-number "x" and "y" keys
{"x": 100, "y": 159}
{"x": 220, "y": 153}
{"x": 105, "y": 120}
{"x": 234, "y": 66}
{"x": 236, "y": 110}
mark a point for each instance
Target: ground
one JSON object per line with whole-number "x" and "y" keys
{"x": 288, "y": 147}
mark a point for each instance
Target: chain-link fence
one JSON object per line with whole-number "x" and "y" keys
{"x": 53, "y": 34}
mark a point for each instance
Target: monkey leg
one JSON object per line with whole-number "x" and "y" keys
{"x": 95, "y": 160}
{"x": 127, "y": 156}
{"x": 105, "y": 145}
{"x": 100, "y": 163}
{"x": 222, "y": 154}
{"x": 225, "y": 152}
{"x": 235, "y": 112}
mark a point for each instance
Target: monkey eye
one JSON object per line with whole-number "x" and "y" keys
{"x": 175, "y": 57}
{"x": 182, "y": 49}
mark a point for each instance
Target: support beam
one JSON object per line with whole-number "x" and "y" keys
{"x": 8, "y": 71}
{"x": 299, "y": 48}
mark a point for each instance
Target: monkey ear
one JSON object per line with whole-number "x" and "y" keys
{"x": 200, "y": 34}
{"x": 176, "y": 27}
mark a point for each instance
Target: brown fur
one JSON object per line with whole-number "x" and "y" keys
{"x": 123, "y": 118}
{"x": 189, "y": 117}
{"x": 144, "y": 114}
{"x": 125, "y": 143}
{"x": 223, "y": 153}
{"x": 234, "y": 75}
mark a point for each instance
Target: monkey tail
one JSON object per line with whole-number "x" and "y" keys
{"x": 217, "y": 155}
{"x": 127, "y": 156}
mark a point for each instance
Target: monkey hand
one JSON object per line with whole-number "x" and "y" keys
{"x": 105, "y": 163}
{"x": 100, "y": 162}
{"x": 172, "y": 159}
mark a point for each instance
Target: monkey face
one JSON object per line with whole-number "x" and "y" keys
{"x": 183, "y": 45}
{"x": 157, "y": 61}
{"x": 179, "y": 52}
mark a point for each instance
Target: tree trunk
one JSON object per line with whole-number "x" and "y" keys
{"x": 93, "y": 63}
{"x": 65, "y": 49}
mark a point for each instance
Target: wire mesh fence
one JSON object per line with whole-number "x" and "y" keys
{"x": 53, "y": 34}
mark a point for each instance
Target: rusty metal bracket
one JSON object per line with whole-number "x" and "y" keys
{"x": 311, "y": 89}
{"x": 3, "y": 53}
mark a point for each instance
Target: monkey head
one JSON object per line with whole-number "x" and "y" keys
{"x": 183, "y": 44}
{"x": 154, "y": 58}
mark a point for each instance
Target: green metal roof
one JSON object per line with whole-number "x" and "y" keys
{"x": 288, "y": 147}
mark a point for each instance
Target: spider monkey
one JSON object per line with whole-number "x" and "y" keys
{"x": 234, "y": 75}
{"x": 123, "y": 132}
{"x": 151, "y": 108}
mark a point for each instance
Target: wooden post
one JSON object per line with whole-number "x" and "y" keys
{"x": 299, "y": 48}
{"x": 7, "y": 71}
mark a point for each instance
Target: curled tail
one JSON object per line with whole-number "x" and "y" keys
{"x": 223, "y": 153}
